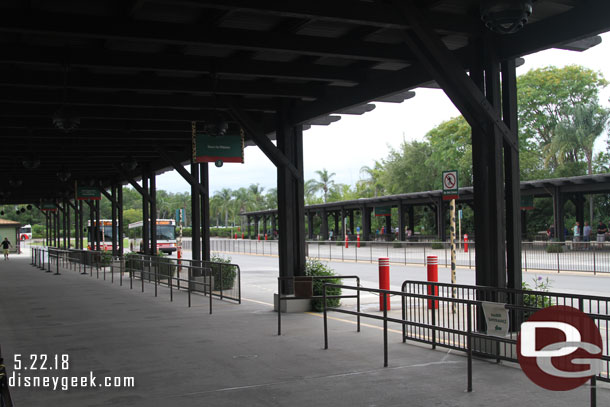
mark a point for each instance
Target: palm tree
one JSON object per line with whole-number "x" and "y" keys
{"x": 373, "y": 177}
{"x": 576, "y": 136}
{"x": 325, "y": 184}
{"x": 225, "y": 196}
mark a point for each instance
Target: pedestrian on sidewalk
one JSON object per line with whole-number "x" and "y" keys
{"x": 5, "y": 246}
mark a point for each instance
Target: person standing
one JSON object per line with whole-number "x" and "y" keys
{"x": 576, "y": 231}
{"x": 5, "y": 246}
{"x": 601, "y": 232}
{"x": 586, "y": 234}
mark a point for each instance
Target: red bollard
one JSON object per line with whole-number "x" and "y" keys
{"x": 242, "y": 236}
{"x": 465, "y": 243}
{"x": 384, "y": 280}
{"x": 432, "y": 277}
{"x": 258, "y": 237}
{"x": 358, "y": 241}
{"x": 346, "y": 242}
{"x": 265, "y": 236}
{"x": 235, "y": 235}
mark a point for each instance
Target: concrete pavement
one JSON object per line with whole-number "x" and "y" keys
{"x": 182, "y": 356}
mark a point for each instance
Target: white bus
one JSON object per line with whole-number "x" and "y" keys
{"x": 166, "y": 235}
{"x": 25, "y": 232}
{"x": 105, "y": 234}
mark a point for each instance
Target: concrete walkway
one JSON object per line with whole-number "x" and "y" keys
{"x": 182, "y": 356}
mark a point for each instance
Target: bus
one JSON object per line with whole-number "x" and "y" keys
{"x": 25, "y": 232}
{"x": 105, "y": 234}
{"x": 166, "y": 235}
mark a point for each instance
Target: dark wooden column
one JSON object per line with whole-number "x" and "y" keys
{"x": 98, "y": 227}
{"x": 441, "y": 221}
{"x": 68, "y": 227}
{"x": 512, "y": 177}
{"x": 145, "y": 216}
{"x": 310, "y": 218}
{"x": 81, "y": 225}
{"x": 351, "y": 221}
{"x": 412, "y": 219}
{"x": 291, "y": 200}
{"x": 324, "y": 225}
{"x": 119, "y": 199}
{"x": 488, "y": 182}
{"x": 401, "y": 223}
{"x": 195, "y": 213}
{"x": 116, "y": 234}
{"x": 579, "y": 203}
{"x": 366, "y": 223}
{"x": 204, "y": 173}
{"x": 152, "y": 193}
{"x": 388, "y": 223}
{"x": 336, "y": 219}
{"x": 558, "y": 203}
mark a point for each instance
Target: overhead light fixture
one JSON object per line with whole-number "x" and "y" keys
{"x": 65, "y": 119}
{"x": 15, "y": 182}
{"x": 217, "y": 129}
{"x": 29, "y": 207}
{"x": 63, "y": 175}
{"x": 129, "y": 164}
{"x": 31, "y": 163}
{"x": 505, "y": 16}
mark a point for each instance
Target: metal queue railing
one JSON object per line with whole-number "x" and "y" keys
{"x": 448, "y": 316}
{"x": 539, "y": 255}
{"x": 282, "y": 297}
{"x": 220, "y": 280}
{"x": 473, "y": 340}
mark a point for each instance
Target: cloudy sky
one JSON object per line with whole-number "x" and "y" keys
{"x": 354, "y": 141}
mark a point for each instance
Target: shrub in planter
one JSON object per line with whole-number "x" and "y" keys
{"x": 537, "y": 300}
{"x": 105, "y": 259}
{"x": 317, "y": 268}
{"x": 228, "y": 272}
{"x": 132, "y": 262}
{"x": 437, "y": 246}
{"x": 554, "y": 248}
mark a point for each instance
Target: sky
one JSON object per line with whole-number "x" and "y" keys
{"x": 344, "y": 147}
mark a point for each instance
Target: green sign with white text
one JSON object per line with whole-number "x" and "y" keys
{"x": 383, "y": 210}
{"x": 227, "y": 148}
{"x": 88, "y": 193}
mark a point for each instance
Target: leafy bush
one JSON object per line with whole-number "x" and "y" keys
{"x": 228, "y": 272}
{"x": 317, "y": 268}
{"x": 132, "y": 261}
{"x": 554, "y": 248}
{"x": 537, "y": 300}
{"x": 105, "y": 259}
{"x": 437, "y": 246}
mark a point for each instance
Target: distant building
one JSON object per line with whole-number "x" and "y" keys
{"x": 10, "y": 229}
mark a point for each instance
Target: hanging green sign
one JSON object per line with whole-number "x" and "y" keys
{"x": 48, "y": 206}
{"x": 215, "y": 149}
{"x": 383, "y": 211}
{"x": 88, "y": 193}
{"x": 527, "y": 203}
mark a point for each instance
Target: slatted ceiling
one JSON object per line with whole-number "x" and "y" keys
{"x": 453, "y": 42}
{"x": 166, "y": 13}
{"x": 390, "y": 66}
{"x": 208, "y": 51}
{"x": 273, "y": 56}
{"x": 384, "y": 36}
{"x": 325, "y": 29}
{"x": 244, "y": 20}
{"x": 333, "y": 61}
{"x": 140, "y": 47}
{"x": 93, "y": 7}
{"x": 545, "y": 9}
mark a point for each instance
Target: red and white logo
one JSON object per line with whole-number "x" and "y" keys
{"x": 560, "y": 348}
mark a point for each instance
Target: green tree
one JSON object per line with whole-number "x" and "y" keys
{"x": 451, "y": 148}
{"x": 546, "y": 97}
{"x": 325, "y": 184}
{"x": 371, "y": 185}
{"x": 409, "y": 169}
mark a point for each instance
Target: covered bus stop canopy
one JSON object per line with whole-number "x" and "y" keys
{"x": 559, "y": 189}
{"x": 103, "y": 93}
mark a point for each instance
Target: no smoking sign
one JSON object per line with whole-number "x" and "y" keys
{"x": 450, "y": 185}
